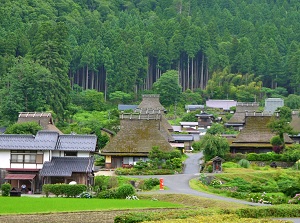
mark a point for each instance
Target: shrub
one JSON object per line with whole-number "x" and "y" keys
{"x": 230, "y": 165}
{"x": 244, "y": 163}
{"x": 125, "y": 190}
{"x": 101, "y": 182}
{"x": 46, "y": 189}
{"x": 108, "y": 194}
{"x": 150, "y": 183}
{"x": 210, "y": 169}
{"x": 5, "y": 188}
{"x": 252, "y": 157}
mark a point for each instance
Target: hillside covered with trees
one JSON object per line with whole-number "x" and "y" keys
{"x": 59, "y": 55}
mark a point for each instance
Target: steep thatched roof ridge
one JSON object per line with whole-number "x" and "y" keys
{"x": 238, "y": 117}
{"x": 44, "y": 119}
{"x": 247, "y": 106}
{"x": 151, "y": 101}
{"x": 137, "y": 136}
{"x": 255, "y": 131}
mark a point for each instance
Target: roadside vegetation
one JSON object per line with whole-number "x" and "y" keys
{"x": 255, "y": 184}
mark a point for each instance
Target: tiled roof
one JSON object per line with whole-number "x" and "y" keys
{"x": 44, "y": 140}
{"x": 77, "y": 143}
{"x": 194, "y": 107}
{"x": 126, "y": 107}
{"x": 183, "y": 137}
{"x": 48, "y": 140}
{"x": 223, "y": 104}
{"x": 65, "y": 166}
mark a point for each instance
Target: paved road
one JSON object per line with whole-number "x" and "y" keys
{"x": 179, "y": 183}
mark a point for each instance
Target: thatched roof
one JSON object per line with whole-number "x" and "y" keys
{"x": 44, "y": 119}
{"x": 136, "y": 137}
{"x": 151, "y": 101}
{"x": 241, "y": 109}
{"x": 256, "y": 132}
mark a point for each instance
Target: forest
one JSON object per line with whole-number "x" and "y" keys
{"x": 70, "y": 56}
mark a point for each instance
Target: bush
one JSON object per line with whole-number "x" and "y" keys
{"x": 5, "y": 188}
{"x": 210, "y": 169}
{"x": 108, "y": 194}
{"x": 150, "y": 183}
{"x": 244, "y": 163}
{"x": 125, "y": 190}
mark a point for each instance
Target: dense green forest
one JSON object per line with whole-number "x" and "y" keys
{"x": 59, "y": 55}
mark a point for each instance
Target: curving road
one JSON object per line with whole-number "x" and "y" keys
{"x": 179, "y": 183}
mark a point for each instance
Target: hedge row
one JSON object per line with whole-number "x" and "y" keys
{"x": 269, "y": 156}
{"x": 134, "y": 171}
{"x": 68, "y": 190}
{"x": 282, "y": 211}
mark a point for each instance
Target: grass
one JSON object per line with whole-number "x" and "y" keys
{"x": 30, "y": 205}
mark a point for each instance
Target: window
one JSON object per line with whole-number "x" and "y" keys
{"x": 70, "y": 153}
{"x": 25, "y": 156}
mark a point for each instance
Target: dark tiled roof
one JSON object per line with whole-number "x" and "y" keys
{"x": 126, "y": 107}
{"x": 48, "y": 140}
{"x": 77, "y": 143}
{"x": 44, "y": 140}
{"x": 194, "y": 107}
{"x": 183, "y": 137}
{"x": 65, "y": 166}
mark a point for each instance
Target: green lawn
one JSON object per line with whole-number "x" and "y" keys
{"x": 25, "y": 205}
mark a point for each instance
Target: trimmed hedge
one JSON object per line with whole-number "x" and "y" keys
{"x": 134, "y": 171}
{"x": 67, "y": 190}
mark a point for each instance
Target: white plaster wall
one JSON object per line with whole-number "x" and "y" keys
{"x": 4, "y": 159}
{"x": 83, "y": 154}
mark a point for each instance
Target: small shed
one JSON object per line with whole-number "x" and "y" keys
{"x": 217, "y": 164}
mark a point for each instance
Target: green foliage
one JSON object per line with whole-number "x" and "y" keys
{"x": 244, "y": 163}
{"x": 125, "y": 190}
{"x": 119, "y": 97}
{"x": 67, "y": 190}
{"x": 235, "y": 157}
{"x": 5, "y": 188}
{"x": 24, "y": 128}
{"x": 148, "y": 184}
{"x": 276, "y": 141}
{"x": 168, "y": 88}
{"x": 89, "y": 100}
{"x": 213, "y": 145}
{"x": 99, "y": 160}
{"x": 216, "y": 129}
{"x": 190, "y": 117}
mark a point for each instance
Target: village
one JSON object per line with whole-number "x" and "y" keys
{"x": 52, "y": 157}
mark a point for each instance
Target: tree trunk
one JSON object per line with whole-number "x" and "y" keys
{"x": 87, "y": 77}
{"x": 188, "y": 74}
{"x": 192, "y": 75}
{"x": 202, "y": 73}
